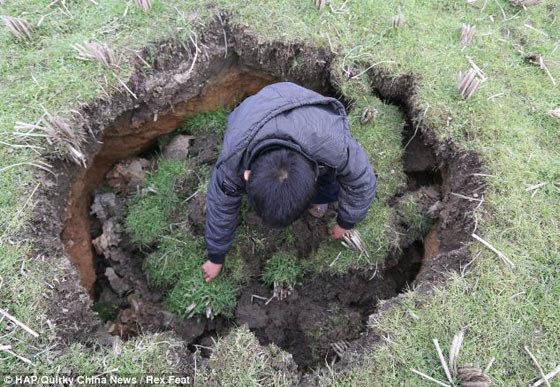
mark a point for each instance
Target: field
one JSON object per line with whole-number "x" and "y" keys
{"x": 106, "y": 150}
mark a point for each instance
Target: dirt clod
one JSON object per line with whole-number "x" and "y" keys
{"x": 126, "y": 175}
{"x": 178, "y": 148}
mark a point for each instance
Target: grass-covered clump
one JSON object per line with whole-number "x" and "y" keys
{"x": 171, "y": 261}
{"x": 175, "y": 264}
{"x": 281, "y": 268}
{"x": 282, "y": 271}
{"x": 192, "y": 296}
{"x": 417, "y": 221}
{"x": 176, "y": 267}
{"x": 213, "y": 121}
{"x": 151, "y": 209}
{"x": 239, "y": 360}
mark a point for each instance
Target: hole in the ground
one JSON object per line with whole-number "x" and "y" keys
{"x": 325, "y": 313}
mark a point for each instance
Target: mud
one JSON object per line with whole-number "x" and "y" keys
{"x": 322, "y": 312}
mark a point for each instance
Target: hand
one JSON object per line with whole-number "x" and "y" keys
{"x": 211, "y": 270}
{"x": 338, "y": 232}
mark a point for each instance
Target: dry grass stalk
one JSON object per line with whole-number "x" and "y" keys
{"x": 18, "y": 27}
{"x": 443, "y": 362}
{"x": 454, "y": 351}
{"x": 525, "y": 3}
{"x": 538, "y": 60}
{"x": 430, "y": 378}
{"x": 489, "y": 365}
{"x": 467, "y": 34}
{"x": 144, "y": 5}
{"x": 478, "y": 70}
{"x": 57, "y": 132}
{"x": 548, "y": 376}
{"x": 539, "y": 368}
{"x": 555, "y": 113}
{"x": 96, "y": 52}
{"x": 353, "y": 240}
{"x": 38, "y": 164}
{"x": 282, "y": 290}
{"x": 397, "y": 21}
{"x": 23, "y": 359}
{"x": 369, "y": 114}
{"x": 321, "y": 4}
{"x": 501, "y": 255}
{"x": 468, "y": 83}
{"x": 19, "y": 323}
{"x": 340, "y": 347}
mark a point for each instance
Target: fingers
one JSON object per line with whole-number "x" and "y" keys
{"x": 206, "y": 274}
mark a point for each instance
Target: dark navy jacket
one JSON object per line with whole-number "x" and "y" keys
{"x": 285, "y": 114}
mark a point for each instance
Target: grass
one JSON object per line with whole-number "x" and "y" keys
{"x": 172, "y": 259}
{"x": 213, "y": 121}
{"x": 150, "y": 211}
{"x": 417, "y": 221}
{"x": 281, "y": 268}
{"x": 175, "y": 264}
{"x": 192, "y": 296}
{"x": 239, "y": 360}
{"x": 175, "y": 267}
{"x": 501, "y": 310}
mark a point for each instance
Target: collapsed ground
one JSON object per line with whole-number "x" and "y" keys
{"x": 148, "y": 220}
{"x": 337, "y": 289}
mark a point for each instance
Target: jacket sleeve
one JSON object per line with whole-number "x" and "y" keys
{"x": 357, "y": 186}
{"x": 222, "y": 210}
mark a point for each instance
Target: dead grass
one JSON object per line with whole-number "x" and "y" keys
{"x": 468, "y": 83}
{"x": 144, "y": 5}
{"x": 525, "y": 3}
{"x": 18, "y": 27}
{"x": 101, "y": 53}
{"x": 397, "y": 21}
{"x": 467, "y": 34}
{"x": 58, "y": 133}
{"x": 555, "y": 113}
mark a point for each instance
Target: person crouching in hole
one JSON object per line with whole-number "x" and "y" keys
{"x": 289, "y": 150}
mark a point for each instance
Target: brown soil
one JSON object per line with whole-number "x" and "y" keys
{"x": 321, "y": 312}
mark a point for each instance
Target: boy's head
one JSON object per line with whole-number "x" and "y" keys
{"x": 280, "y": 185}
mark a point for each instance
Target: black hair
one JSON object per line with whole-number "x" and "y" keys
{"x": 281, "y": 186}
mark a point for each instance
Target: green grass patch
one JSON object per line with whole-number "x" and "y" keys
{"x": 213, "y": 121}
{"x": 108, "y": 311}
{"x": 239, "y": 360}
{"x": 176, "y": 267}
{"x": 173, "y": 259}
{"x": 149, "y": 213}
{"x": 282, "y": 267}
{"x": 414, "y": 217}
{"x": 192, "y": 296}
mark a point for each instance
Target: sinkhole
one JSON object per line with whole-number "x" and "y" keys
{"x": 325, "y": 313}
